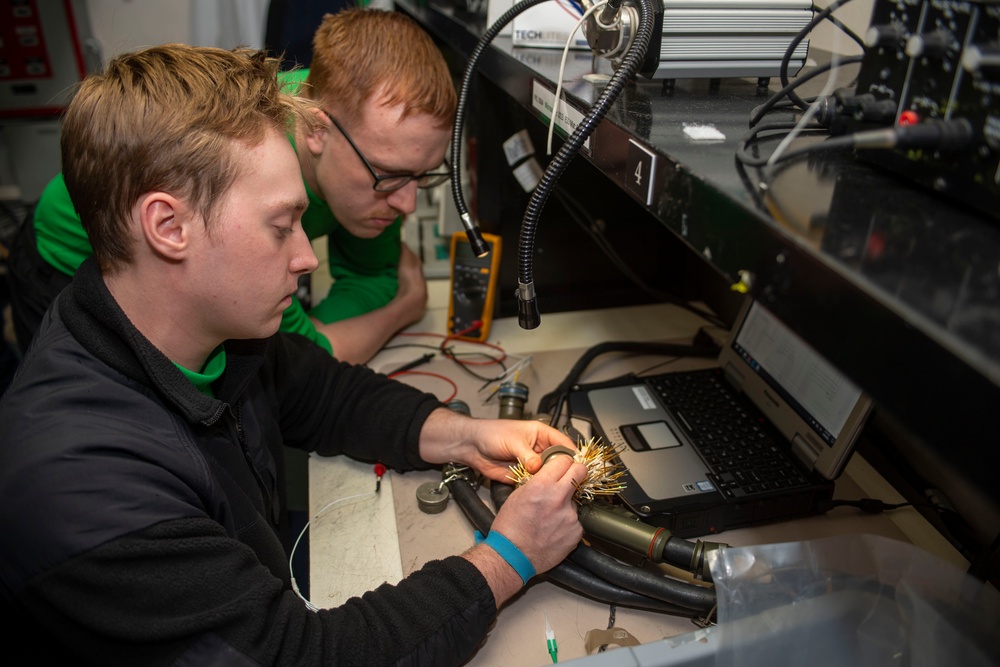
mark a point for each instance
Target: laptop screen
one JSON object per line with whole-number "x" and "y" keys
{"x": 817, "y": 391}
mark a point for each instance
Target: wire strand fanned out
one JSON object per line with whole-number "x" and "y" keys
{"x": 604, "y": 471}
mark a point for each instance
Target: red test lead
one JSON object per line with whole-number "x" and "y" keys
{"x": 379, "y": 471}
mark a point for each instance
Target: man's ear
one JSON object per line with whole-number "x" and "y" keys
{"x": 166, "y": 224}
{"x": 317, "y": 137}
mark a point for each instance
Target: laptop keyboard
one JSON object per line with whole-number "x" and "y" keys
{"x": 742, "y": 456}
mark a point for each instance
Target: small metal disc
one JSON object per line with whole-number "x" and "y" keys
{"x": 432, "y": 497}
{"x": 556, "y": 450}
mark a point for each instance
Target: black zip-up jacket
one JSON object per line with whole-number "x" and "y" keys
{"x": 139, "y": 518}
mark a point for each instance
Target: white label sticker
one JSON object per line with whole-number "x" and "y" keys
{"x": 567, "y": 118}
{"x": 518, "y": 147}
{"x": 699, "y": 132}
{"x": 528, "y": 173}
{"x": 644, "y": 397}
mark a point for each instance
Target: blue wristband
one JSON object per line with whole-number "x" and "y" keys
{"x": 509, "y": 552}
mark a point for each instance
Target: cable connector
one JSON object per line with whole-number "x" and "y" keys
{"x": 866, "y": 505}
{"x": 941, "y": 135}
{"x": 527, "y": 306}
{"x": 865, "y": 107}
{"x": 873, "y": 506}
{"x": 937, "y": 498}
{"x": 476, "y": 325}
{"x": 412, "y": 364}
{"x": 379, "y": 471}
{"x": 938, "y": 135}
{"x": 479, "y": 246}
{"x": 835, "y": 111}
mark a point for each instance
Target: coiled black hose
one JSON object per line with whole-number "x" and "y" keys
{"x": 567, "y": 574}
{"x": 613, "y": 571}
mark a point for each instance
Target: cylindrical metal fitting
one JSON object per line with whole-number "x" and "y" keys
{"x": 432, "y": 498}
{"x": 699, "y": 559}
{"x": 624, "y": 531}
{"x": 513, "y": 396}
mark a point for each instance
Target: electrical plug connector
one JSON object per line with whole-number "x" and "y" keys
{"x": 834, "y": 111}
{"x": 937, "y": 135}
{"x": 941, "y": 135}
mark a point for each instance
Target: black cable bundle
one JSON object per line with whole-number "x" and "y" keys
{"x": 595, "y": 575}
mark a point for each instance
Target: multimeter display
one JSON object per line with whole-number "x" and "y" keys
{"x": 473, "y": 286}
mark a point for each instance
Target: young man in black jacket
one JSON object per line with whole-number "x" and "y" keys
{"x": 140, "y": 441}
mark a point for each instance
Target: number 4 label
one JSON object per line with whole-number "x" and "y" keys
{"x": 640, "y": 165}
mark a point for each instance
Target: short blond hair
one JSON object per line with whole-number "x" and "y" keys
{"x": 168, "y": 118}
{"x": 360, "y": 54}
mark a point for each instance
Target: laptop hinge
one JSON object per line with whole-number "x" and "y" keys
{"x": 805, "y": 451}
{"x": 733, "y": 377}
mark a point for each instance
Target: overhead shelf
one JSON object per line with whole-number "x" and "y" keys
{"x": 896, "y": 286}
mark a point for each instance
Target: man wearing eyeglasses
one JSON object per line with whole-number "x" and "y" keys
{"x": 388, "y": 104}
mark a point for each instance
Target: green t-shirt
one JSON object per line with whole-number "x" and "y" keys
{"x": 364, "y": 271}
{"x": 210, "y": 372}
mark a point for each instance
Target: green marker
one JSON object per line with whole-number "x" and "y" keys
{"x": 550, "y": 640}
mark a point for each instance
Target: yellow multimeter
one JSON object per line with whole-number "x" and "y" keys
{"x": 473, "y": 287}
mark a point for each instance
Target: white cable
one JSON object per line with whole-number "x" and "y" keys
{"x": 562, "y": 70}
{"x": 291, "y": 556}
{"x": 838, "y": 37}
{"x": 515, "y": 369}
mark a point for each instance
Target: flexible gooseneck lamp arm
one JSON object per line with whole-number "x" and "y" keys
{"x": 479, "y": 246}
{"x": 527, "y": 306}
{"x": 603, "y": 25}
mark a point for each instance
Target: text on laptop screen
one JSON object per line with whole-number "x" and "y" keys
{"x": 821, "y": 395}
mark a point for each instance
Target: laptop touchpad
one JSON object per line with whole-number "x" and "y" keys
{"x": 651, "y": 435}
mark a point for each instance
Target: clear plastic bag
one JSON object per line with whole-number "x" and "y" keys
{"x": 858, "y": 600}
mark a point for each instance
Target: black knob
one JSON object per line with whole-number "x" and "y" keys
{"x": 977, "y": 58}
{"x": 934, "y": 44}
{"x": 887, "y": 35}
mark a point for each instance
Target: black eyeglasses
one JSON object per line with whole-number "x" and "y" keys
{"x": 391, "y": 182}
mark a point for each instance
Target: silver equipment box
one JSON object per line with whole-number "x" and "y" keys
{"x": 727, "y": 38}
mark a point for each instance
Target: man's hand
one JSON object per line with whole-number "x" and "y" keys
{"x": 489, "y": 446}
{"x": 540, "y": 519}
